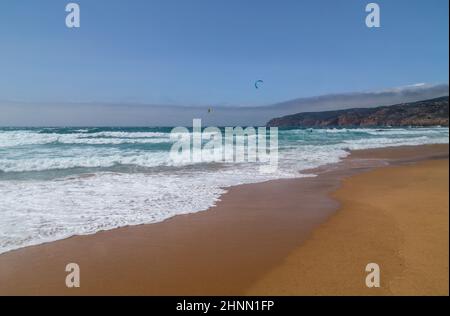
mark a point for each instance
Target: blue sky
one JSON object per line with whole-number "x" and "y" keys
{"x": 201, "y": 52}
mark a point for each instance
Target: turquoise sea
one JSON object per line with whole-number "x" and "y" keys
{"x": 60, "y": 182}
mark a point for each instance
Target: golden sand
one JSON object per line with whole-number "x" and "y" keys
{"x": 396, "y": 217}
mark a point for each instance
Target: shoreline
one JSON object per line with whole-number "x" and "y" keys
{"x": 376, "y": 158}
{"x": 221, "y": 251}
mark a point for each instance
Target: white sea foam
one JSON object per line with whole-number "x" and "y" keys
{"x": 84, "y": 161}
{"x": 14, "y": 139}
{"x": 130, "y": 134}
{"x": 36, "y": 211}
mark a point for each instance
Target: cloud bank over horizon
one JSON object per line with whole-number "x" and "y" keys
{"x": 15, "y": 113}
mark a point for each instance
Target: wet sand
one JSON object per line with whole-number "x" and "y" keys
{"x": 246, "y": 243}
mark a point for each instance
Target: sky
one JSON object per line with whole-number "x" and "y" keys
{"x": 30, "y": 114}
{"x": 210, "y": 52}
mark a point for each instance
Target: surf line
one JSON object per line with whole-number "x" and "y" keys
{"x": 235, "y": 145}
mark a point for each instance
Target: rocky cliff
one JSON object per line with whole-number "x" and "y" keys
{"x": 423, "y": 113}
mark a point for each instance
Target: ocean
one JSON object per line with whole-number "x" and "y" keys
{"x": 60, "y": 182}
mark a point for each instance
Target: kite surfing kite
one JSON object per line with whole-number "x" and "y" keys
{"x": 258, "y": 83}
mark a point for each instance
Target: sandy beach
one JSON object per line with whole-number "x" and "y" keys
{"x": 193, "y": 151}
{"x": 396, "y": 217}
{"x": 304, "y": 236}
